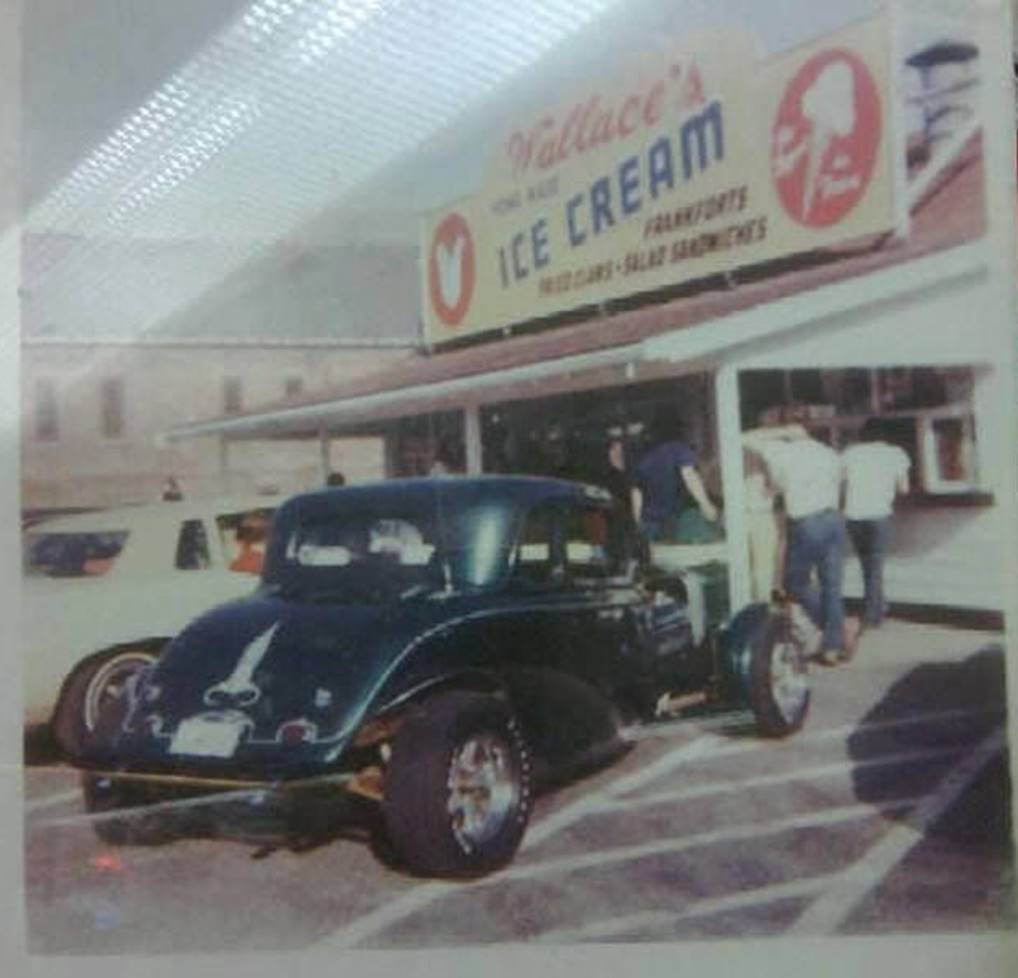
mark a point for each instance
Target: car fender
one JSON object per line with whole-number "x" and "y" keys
{"x": 563, "y": 717}
{"x": 152, "y": 644}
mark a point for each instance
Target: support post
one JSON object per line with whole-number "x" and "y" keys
{"x": 472, "y": 439}
{"x": 733, "y": 485}
{"x": 224, "y": 465}
{"x": 324, "y": 456}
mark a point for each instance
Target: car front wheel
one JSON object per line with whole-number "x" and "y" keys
{"x": 779, "y": 689}
{"x": 458, "y": 788}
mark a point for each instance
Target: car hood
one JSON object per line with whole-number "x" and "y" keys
{"x": 276, "y": 660}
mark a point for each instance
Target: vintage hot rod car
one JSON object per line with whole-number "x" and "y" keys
{"x": 434, "y": 644}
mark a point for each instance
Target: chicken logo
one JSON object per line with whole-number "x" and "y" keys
{"x": 825, "y": 138}
{"x": 451, "y": 269}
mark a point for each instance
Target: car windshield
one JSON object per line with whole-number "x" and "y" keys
{"x": 366, "y": 551}
{"x": 86, "y": 554}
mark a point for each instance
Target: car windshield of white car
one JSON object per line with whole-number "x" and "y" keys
{"x": 83, "y": 554}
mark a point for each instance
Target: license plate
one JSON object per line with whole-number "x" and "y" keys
{"x": 208, "y": 736}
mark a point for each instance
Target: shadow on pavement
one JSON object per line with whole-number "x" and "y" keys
{"x": 39, "y": 747}
{"x": 969, "y": 697}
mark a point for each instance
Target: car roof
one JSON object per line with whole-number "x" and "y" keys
{"x": 513, "y": 489}
{"x": 127, "y": 517}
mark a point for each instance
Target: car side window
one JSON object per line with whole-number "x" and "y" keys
{"x": 192, "y": 546}
{"x": 594, "y": 543}
{"x": 537, "y": 560}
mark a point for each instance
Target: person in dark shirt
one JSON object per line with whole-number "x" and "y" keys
{"x": 667, "y": 484}
{"x": 613, "y": 475}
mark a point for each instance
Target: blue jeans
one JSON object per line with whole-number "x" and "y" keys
{"x": 817, "y": 542}
{"x": 870, "y": 539}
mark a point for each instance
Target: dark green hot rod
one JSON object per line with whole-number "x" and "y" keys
{"x": 439, "y": 646}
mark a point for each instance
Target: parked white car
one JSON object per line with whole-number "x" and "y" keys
{"x": 103, "y": 592}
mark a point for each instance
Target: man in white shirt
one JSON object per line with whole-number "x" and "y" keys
{"x": 874, "y": 473}
{"x": 808, "y": 475}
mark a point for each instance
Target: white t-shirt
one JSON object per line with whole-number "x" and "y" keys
{"x": 872, "y": 470}
{"x": 807, "y": 472}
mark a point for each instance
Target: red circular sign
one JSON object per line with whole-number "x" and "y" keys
{"x": 825, "y": 138}
{"x": 452, "y": 269}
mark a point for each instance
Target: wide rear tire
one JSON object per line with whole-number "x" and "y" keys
{"x": 458, "y": 787}
{"x": 97, "y": 685}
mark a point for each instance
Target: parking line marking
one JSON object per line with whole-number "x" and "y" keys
{"x": 767, "y": 780}
{"x": 832, "y": 909}
{"x": 668, "y": 727}
{"x": 35, "y": 804}
{"x": 415, "y": 900}
{"x": 660, "y": 919}
{"x": 87, "y": 818}
{"x": 707, "y": 744}
{"x": 412, "y": 901}
{"x": 749, "y": 830}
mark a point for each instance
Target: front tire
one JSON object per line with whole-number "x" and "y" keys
{"x": 97, "y": 685}
{"x": 779, "y": 692}
{"x": 458, "y": 788}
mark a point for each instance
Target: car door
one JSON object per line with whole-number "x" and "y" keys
{"x": 604, "y": 600}
{"x": 534, "y": 624}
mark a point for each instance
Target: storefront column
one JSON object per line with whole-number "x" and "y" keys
{"x": 472, "y": 438}
{"x": 391, "y": 447}
{"x": 990, "y": 429}
{"x": 733, "y": 486}
{"x": 324, "y": 456}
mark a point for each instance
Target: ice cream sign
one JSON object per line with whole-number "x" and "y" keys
{"x": 697, "y": 160}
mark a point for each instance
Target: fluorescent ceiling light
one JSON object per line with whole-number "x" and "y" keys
{"x": 279, "y": 117}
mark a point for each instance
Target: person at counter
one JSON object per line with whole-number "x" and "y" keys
{"x": 669, "y": 499}
{"x": 613, "y": 475}
{"x": 808, "y": 475}
{"x": 875, "y": 472}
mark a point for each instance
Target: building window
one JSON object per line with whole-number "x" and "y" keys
{"x": 293, "y": 387}
{"x": 46, "y": 420}
{"x": 111, "y": 397}
{"x": 231, "y": 395}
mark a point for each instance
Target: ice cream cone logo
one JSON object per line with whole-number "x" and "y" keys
{"x": 825, "y": 138}
{"x": 451, "y": 269}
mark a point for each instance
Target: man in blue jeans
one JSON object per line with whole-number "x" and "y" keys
{"x": 808, "y": 475}
{"x": 875, "y": 471}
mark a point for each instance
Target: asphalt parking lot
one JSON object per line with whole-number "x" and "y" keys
{"x": 889, "y": 812}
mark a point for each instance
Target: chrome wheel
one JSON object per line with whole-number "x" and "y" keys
{"x": 109, "y": 684}
{"x": 789, "y": 683}
{"x": 483, "y": 789}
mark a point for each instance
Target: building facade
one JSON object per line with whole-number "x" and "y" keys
{"x": 93, "y": 415}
